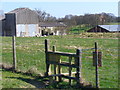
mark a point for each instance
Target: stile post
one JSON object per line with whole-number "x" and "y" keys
{"x": 14, "y": 52}
{"x": 46, "y": 53}
{"x": 54, "y": 49}
{"x": 78, "y": 62}
{"x": 96, "y": 65}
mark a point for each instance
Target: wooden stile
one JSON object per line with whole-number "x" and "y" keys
{"x": 53, "y": 57}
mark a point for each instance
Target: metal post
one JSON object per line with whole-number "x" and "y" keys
{"x": 96, "y": 65}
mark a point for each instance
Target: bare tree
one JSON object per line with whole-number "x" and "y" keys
{"x": 43, "y": 16}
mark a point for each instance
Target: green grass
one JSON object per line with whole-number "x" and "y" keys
{"x": 31, "y": 56}
{"x": 113, "y": 23}
{"x": 78, "y": 29}
{"x": 14, "y": 80}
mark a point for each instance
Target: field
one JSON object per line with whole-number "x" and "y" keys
{"x": 31, "y": 56}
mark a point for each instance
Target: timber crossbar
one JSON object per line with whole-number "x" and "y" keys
{"x": 54, "y": 58}
{"x": 62, "y": 53}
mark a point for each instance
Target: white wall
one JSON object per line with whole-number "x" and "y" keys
{"x": 26, "y": 30}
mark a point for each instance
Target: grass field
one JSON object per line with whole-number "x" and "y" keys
{"x": 13, "y": 80}
{"x": 31, "y": 56}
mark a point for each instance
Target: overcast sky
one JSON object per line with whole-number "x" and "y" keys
{"x": 60, "y": 9}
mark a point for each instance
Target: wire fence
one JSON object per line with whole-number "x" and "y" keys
{"x": 30, "y": 57}
{"x": 109, "y": 61}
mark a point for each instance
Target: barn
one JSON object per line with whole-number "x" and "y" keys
{"x": 52, "y": 28}
{"x": 21, "y": 22}
{"x": 105, "y": 28}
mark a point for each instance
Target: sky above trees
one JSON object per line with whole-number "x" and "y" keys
{"x": 60, "y": 9}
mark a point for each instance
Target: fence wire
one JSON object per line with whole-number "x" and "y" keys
{"x": 31, "y": 58}
{"x": 108, "y": 59}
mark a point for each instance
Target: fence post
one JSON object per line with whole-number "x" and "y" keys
{"x": 14, "y": 52}
{"x": 46, "y": 50}
{"x": 96, "y": 64}
{"x": 78, "y": 62}
{"x": 54, "y": 49}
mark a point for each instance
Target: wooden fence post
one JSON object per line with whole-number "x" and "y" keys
{"x": 14, "y": 52}
{"x": 54, "y": 49}
{"x": 96, "y": 65}
{"x": 46, "y": 53}
{"x": 78, "y": 62}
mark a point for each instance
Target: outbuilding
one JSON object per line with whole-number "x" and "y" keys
{"x": 105, "y": 28}
{"x": 52, "y": 28}
{"x": 21, "y": 22}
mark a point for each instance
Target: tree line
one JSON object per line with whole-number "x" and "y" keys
{"x": 86, "y": 19}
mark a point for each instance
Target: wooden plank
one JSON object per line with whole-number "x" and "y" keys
{"x": 62, "y": 64}
{"x": 70, "y": 69}
{"x": 14, "y": 53}
{"x": 55, "y": 75}
{"x": 61, "y": 75}
{"x": 59, "y": 71}
{"x": 68, "y": 73}
{"x": 99, "y": 59}
{"x": 63, "y": 54}
{"x": 69, "y": 77}
{"x": 54, "y": 57}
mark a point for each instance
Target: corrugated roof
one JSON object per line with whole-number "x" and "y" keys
{"x": 51, "y": 24}
{"x": 111, "y": 27}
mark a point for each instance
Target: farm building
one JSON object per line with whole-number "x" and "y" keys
{"x": 105, "y": 28}
{"x": 21, "y": 22}
{"x": 52, "y": 28}
{"x": 24, "y": 22}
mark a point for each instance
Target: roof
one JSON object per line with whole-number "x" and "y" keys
{"x": 51, "y": 24}
{"x": 18, "y": 10}
{"x": 23, "y": 16}
{"x": 111, "y": 28}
